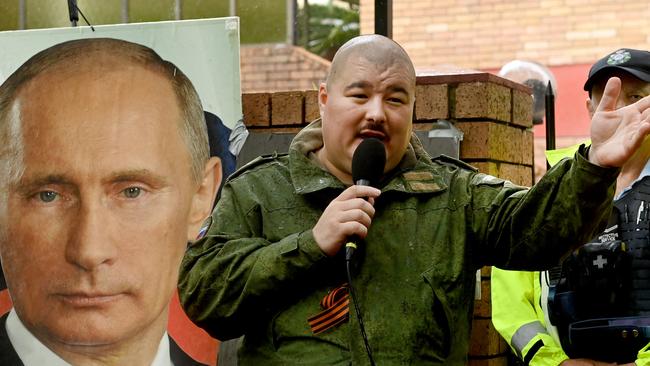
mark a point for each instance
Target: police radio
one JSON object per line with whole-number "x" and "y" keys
{"x": 601, "y": 302}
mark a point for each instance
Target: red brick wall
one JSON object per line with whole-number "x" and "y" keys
{"x": 488, "y": 33}
{"x": 494, "y": 114}
{"x": 276, "y": 67}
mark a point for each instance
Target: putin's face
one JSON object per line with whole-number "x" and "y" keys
{"x": 96, "y": 226}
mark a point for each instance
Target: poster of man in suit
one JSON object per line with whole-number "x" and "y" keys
{"x": 107, "y": 174}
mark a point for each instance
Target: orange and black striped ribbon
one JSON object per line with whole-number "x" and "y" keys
{"x": 336, "y": 310}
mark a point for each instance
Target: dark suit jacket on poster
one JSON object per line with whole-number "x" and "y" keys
{"x": 9, "y": 357}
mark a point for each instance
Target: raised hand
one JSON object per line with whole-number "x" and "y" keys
{"x": 616, "y": 134}
{"x": 348, "y": 214}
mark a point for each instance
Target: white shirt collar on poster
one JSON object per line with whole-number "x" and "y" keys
{"x": 34, "y": 353}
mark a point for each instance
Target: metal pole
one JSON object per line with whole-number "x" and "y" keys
{"x": 125, "y": 11}
{"x": 178, "y": 10}
{"x": 304, "y": 39}
{"x": 73, "y": 12}
{"x": 550, "y": 119}
{"x": 291, "y": 21}
{"x": 384, "y": 17}
{"x": 232, "y": 7}
{"x": 22, "y": 15}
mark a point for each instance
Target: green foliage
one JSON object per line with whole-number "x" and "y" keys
{"x": 262, "y": 21}
{"x": 196, "y": 9}
{"x": 150, "y": 11}
{"x": 9, "y": 18}
{"x": 324, "y": 28}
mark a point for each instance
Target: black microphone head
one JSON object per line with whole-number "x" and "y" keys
{"x": 368, "y": 161}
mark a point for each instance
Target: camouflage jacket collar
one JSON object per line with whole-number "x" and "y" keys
{"x": 416, "y": 172}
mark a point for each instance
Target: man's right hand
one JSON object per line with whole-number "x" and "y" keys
{"x": 585, "y": 362}
{"x": 347, "y": 215}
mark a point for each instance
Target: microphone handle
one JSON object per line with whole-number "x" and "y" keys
{"x": 362, "y": 182}
{"x": 351, "y": 244}
{"x": 350, "y": 247}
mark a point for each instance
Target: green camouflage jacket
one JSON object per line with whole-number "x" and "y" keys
{"x": 259, "y": 272}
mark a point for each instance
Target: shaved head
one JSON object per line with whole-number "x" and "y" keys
{"x": 378, "y": 50}
{"x": 369, "y": 92}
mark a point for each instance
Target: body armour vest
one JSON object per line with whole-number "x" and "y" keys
{"x": 633, "y": 211}
{"x": 601, "y": 301}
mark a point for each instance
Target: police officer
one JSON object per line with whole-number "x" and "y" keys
{"x": 519, "y": 299}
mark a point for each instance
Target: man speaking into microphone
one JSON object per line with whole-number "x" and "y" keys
{"x": 272, "y": 268}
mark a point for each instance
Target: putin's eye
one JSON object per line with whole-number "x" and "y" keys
{"x": 132, "y": 192}
{"x": 47, "y": 196}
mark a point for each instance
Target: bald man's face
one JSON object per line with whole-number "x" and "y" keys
{"x": 98, "y": 223}
{"x": 366, "y": 100}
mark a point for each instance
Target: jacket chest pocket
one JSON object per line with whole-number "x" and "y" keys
{"x": 284, "y": 221}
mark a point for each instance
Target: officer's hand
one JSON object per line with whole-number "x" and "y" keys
{"x": 617, "y": 133}
{"x": 585, "y": 362}
{"x": 347, "y": 215}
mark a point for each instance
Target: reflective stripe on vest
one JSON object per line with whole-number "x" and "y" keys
{"x": 525, "y": 334}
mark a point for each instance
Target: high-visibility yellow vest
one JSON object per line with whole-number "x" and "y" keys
{"x": 519, "y": 311}
{"x": 518, "y": 316}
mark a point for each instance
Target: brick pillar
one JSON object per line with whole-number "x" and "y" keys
{"x": 495, "y": 116}
{"x": 280, "y": 112}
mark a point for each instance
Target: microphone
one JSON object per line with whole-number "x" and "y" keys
{"x": 368, "y": 163}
